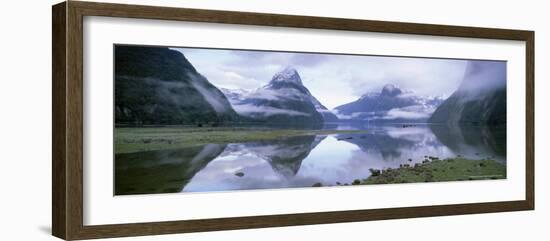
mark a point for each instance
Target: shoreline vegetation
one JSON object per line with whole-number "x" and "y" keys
{"x": 137, "y": 139}
{"x": 433, "y": 169}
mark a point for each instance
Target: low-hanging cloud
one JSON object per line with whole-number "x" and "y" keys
{"x": 265, "y": 111}
{"x": 215, "y": 99}
{"x": 481, "y": 77}
{"x": 409, "y": 112}
{"x": 283, "y": 93}
{"x": 413, "y": 112}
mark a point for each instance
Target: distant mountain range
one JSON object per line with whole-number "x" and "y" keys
{"x": 159, "y": 86}
{"x": 480, "y": 99}
{"x": 391, "y": 104}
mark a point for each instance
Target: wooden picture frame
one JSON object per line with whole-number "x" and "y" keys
{"x": 67, "y": 150}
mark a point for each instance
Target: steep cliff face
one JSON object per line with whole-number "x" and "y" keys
{"x": 480, "y": 98}
{"x": 156, "y": 85}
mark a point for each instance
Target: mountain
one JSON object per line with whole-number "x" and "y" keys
{"x": 155, "y": 85}
{"x": 390, "y": 104}
{"x": 480, "y": 98}
{"x": 283, "y": 100}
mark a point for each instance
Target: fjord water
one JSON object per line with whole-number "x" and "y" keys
{"x": 302, "y": 161}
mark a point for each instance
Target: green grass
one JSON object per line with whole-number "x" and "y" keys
{"x": 129, "y": 140}
{"x": 452, "y": 169}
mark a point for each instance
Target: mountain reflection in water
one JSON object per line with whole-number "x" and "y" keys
{"x": 301, "y": 161}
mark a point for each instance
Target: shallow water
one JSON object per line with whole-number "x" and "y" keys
{"x": 301, "y": 161}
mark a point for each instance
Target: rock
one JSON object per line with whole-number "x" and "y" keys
{"x": 318, "y": 184}
{"x": 239, "y": 174}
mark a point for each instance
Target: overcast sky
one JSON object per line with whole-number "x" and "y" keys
{"x": 334, "y": 79}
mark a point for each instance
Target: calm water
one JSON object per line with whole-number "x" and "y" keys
{"x": 301, "y": 161}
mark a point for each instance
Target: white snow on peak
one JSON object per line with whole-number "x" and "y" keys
{"x": 288, "y": 74}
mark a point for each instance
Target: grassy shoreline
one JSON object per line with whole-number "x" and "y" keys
{"x": 436, "y": 170}
{"x": 128, "y": 140}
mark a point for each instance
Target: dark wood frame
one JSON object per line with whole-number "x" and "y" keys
{"x": 67, "y": 78}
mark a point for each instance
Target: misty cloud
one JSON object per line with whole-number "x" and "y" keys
{"x": 213, "y": 98}
{"x": 482, "y": 76}
{"x": 267, "y": 94}
{"x": 354, "y": 115}
{"x": 409, "y": 112}
{"x": 253, "y": 110}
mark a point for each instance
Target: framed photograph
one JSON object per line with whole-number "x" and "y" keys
{"x": 171, "y": 120}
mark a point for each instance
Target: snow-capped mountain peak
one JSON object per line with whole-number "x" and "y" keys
{"x": 284, "y": 95}
{"x": 289, "y": 75}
